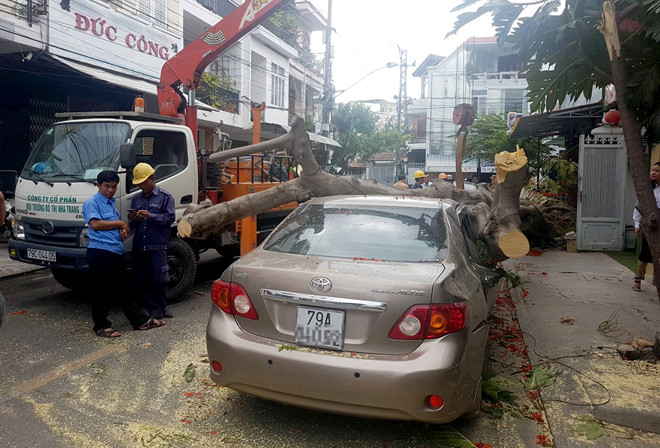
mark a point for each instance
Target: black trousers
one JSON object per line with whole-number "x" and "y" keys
{"x": 151, "y": 276}
{"x": 105, "y": 290}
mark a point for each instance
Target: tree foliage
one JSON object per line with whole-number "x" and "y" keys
{"x": 488, "y": 136}
{"x": 360, "y": 134}
{"x": 216, "y": 91}
{"x": 285, "y": 25}
{"x": 565, "y": 52}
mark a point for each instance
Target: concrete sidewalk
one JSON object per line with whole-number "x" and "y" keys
{"x": 569, "y": 295}
{"x": 10, "y": 268}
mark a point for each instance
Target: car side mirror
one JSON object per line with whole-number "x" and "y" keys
{"x": 127, "y": 155}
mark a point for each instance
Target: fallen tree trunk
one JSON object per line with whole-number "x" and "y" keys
{"x": 495, "y": 214}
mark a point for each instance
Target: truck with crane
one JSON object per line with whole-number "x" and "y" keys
{"x": 60, "y": 173}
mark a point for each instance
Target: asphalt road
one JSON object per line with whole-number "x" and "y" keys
{"x": 61, "y": 386}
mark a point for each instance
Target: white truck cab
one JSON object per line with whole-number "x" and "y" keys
{"x": 60, "y": 175}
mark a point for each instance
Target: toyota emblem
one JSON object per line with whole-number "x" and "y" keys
{"x": 320, "y": 284}
{"x": 48, "y": 227}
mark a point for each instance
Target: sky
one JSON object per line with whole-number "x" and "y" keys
{"x": 367, "y": 35}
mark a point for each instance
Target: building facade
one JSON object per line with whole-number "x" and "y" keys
{"x": 479, "y": 72}
{"x": 97, "y": 55}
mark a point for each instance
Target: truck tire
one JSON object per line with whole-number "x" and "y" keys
{"x": 183, "y": 268}
{"x": 71, "y": 279}
{"x": 230, "y": 252}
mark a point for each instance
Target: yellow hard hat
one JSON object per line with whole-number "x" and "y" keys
{"x": 419, "y": 174}
{"x": 442, "y": 176}
{"x": 141, "y": 172}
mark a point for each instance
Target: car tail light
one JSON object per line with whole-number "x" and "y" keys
{"x": 430, "y": 321}
{"x": 232, "y": 299}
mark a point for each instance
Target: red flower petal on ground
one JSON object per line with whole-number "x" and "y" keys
{"x": 537, "y": 417}
{"x": 543, "y": 440}
{"x": 525, "y": 293}
{"x": 214, "y": 432}
{"x": 482, "y": 445}
{"x": 188, "y": 394}
{"x": 544, "y": 273}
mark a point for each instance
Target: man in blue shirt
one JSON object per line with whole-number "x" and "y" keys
{"x": 104, "y": 256}
{"x": 151, "y": 219}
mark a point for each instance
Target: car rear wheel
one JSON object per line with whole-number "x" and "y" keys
{"x": 183, "y": 268}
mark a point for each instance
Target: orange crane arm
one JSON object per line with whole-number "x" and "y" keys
{"x": 188, "y": 65}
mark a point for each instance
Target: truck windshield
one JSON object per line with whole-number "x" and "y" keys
{"x": 76, "y": 152}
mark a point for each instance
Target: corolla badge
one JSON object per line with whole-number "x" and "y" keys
{"x": 320, "y": 284}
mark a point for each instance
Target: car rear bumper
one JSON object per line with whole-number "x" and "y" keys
{"x": 380, "y": 386}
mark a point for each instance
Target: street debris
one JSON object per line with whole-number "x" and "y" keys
{"x": 542, "y": 376}
{"x": 610, "y": 325}
{"x": 189, "y": 374}
{"x": 448, "y": 436}
{"x": 567, "y": 321}
{"x": 591, "y": 428}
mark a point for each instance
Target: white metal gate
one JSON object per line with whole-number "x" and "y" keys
{"x": 601, "y": 190}
{"x": 384, "y": 174}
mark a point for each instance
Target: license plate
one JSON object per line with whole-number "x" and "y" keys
{"x": 44, "y": 255}
{"x": 320, "y": 328}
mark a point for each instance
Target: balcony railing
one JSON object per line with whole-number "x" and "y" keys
{"x": 30, "y": 10}
{"x": 498, "y": 76}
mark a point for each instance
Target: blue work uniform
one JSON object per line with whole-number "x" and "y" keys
{"x": 150, "y": 248}
{"x": 105, "y": 262}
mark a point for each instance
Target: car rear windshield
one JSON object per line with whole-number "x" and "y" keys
{"x": 363, "y": 232}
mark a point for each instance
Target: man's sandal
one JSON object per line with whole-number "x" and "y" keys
{"x": 637, "y": 285}
{"x": 107, "y": 333}
{"x": 151, "y": 323}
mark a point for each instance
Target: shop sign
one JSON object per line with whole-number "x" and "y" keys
{"x": 100, "y": 36}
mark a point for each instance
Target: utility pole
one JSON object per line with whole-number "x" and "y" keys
{"x": 402, "y": 104}
{"x": 328, "y": 90}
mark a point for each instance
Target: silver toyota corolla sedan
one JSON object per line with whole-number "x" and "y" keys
{"x": 368, "y": 306}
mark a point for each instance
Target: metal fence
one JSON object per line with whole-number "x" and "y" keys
{"x": 383, "y": 174}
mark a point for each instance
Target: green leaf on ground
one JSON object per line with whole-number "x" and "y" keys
{"x": 493, "y": 412}
{"x": 488, "y": 374}
{"x": 289, "y": 348}
{"x": 448, "y": 436}
{"x": 98, "y": 369}
{"x": 492, "y": 392}
{"x": 592, "y": 429}
{"x": 542, "y": 376}
{"x": 189, "y": 374}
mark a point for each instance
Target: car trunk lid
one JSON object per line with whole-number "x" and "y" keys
{"x": 372, "y": 295}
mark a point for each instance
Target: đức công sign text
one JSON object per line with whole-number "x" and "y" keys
{"x": 123, "y": 40}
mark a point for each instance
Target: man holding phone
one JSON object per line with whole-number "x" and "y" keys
{"x": 104, "y": 256}
{"x": 151, "y": 216}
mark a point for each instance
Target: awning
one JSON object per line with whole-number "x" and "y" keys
{"x": 127, "y": 82}
{"x": 322, "y": 139}
{"x": 555, "y": 122}
{"x": 317, "y": 138}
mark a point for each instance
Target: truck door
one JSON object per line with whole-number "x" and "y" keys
{"x": 167, "y": 152}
